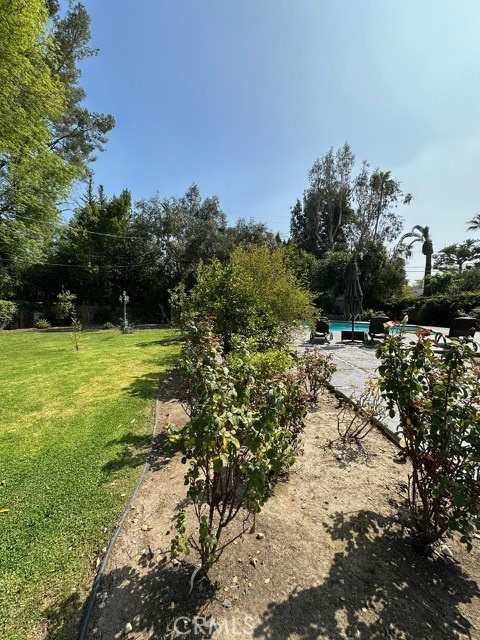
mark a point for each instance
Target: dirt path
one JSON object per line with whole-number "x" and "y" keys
{"x": 330, "y": 560}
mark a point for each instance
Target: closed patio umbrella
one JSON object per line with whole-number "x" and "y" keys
{"x": 353, "y": 294}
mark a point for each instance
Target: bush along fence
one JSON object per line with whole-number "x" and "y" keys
{"x": 437, "y": 310}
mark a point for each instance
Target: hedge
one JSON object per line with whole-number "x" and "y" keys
{"x": 435, "y": 310}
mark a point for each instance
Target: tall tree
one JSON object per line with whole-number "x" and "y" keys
{"x": 375, "y": 198}
{"x": 95, "y": 244}
{"x": 421, "y": 234}
{"x": 46, "y": 138}
{"x": 77, "y": 133}
{"x": 456, "y": 256}
{"x": 328, "y": 195}
{"x": 474, "y": 223}
{"x": 184, "y": 231}
{"x": 341, "y": 210}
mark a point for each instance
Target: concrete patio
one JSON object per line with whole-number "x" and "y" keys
{"x": 355, "y": 364}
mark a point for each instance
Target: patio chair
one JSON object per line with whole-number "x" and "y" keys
{"x": 376, "y": 328}
{"x": 460, "y": 328}
{"x": 322, "y": 330}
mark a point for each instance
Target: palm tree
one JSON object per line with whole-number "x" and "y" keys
{"x": 474, "y": 223}
{"x": 421, "y": 234}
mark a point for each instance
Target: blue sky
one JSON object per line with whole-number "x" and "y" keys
{"x": 242, "y": 96}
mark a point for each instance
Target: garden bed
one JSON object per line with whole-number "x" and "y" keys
{"x": 330, "y": 557}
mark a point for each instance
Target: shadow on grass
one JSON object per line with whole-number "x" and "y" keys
{"x": 377, "y": 588}
{"x": 63, "y": 619}
{"x": 148, "y": 385}
{"x": 135, "y": 447}
{"x": 163, "y": 342}
{"x": 136, "y": 451}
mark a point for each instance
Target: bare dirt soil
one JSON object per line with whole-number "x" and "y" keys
{"x": 330, "y": 558}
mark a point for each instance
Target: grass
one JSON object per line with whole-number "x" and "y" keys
{"x": 74, "y": 430}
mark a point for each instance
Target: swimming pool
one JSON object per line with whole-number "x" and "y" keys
{"x": 347, "y": 326}
{"x": 337, "y": 326}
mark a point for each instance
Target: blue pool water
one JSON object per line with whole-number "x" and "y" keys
{"x": 363, "y": 326}
{"x": 347, "y": 326}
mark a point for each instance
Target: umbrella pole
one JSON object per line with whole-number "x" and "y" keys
{"x": 353, "y": 327}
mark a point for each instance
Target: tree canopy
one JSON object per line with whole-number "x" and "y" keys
{"x": 457, "y": 256}
{"x": 47, "y": 138}
{"x": 343, "y": 210}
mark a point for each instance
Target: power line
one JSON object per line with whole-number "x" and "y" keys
{"x": 96, "y": 233}
{"x": 82, "y": 266}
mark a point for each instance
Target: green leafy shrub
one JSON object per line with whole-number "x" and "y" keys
{"x": 64, "y": 306}
{"x": 8, "y": 310}
{"x": 109, "y": 325}
{"x": 316, "y": 370}
{"x": 246, "y": 414}
{"x": 256, "y": 294}
{"x": 42, "y": 323}
{"x": 437, "y": 397}
{"x": 438, "y": 310}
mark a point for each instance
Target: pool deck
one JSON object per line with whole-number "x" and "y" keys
{"x": 355, "y": 364}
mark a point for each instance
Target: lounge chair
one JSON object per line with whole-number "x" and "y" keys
{"x": 322, "y": 330}
{"x": 376, "y": 328}
{"x": 460, "y": 328}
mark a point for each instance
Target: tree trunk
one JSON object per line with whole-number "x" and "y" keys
{"x": 428, "y": 273}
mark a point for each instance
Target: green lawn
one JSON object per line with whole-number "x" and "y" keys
{"x": 74, "y": 430}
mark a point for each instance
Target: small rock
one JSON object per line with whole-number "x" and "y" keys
{"x": 446, "y": 551}
{"x": 147, "y": 553}
{"x": 134, "y": 541}
{"x": 304, "y": 504}
{"x": 477, "y": 536}
{"x": 260, "y": 536}
{"x": 235, "y": 579}
{"x": 146, "y": 527}
{"x": 127, "y": 629}
{"x": 253, "y": 562}
{"x": 227, "y": 604}
{"x": 102, "y": 605}
{"x": 267, "y": 580}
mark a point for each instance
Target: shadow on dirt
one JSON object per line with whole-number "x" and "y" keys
{"x": 158, "y": 602}
{"x": 377, "y": 588}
